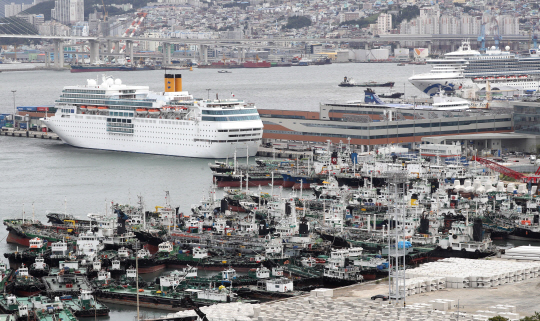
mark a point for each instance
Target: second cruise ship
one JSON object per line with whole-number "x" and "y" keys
{"x": 467, "y": 68}
{"x": 119, "y": 117}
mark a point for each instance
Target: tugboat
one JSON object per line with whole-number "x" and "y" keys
{"x": 23, "y": 284}
{"x": 146, "y": 263}
{"x": 39, "y": 268}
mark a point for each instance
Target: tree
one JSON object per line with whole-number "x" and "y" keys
{"x": 498, "y": 318}
{"x": 407, "y": 13}
{"x": 362, "y": 22}
{"x": 297, "y": 22}
{"x": 535, "y": 317}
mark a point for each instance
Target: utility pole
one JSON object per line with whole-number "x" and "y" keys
{"x": 14, "y": 108}
{"x": 414, "y": 119}
{"x": 136, "y": 247}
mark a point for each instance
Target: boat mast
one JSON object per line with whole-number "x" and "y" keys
{"x": 247, "y": 169}
{"x": 272, "y": 191}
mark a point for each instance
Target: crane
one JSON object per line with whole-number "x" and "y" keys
{"x": 105, "y": 14}
{"x": 496, "y": 36}
{"x": 188, "y": 303}
{"x": 509, "y": 172}
{"x": 534, "y": 37}
{"x": 130, "y": 31}
{"x": 482, "y": 37}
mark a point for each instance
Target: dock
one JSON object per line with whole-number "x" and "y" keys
{"x": 29, "y": 134}
{"x": 283, "y": 153}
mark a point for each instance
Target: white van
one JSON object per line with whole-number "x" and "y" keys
{"x": 532, "y": 159}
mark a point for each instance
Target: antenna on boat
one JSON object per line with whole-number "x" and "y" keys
{"x": 22, "y": 214}
{"x": 33, "y": 213}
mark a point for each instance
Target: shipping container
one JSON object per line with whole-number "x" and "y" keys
{"x": 22, "y": 125}
{"x": 27, "y": 108}
{"x": 42, "y": 108}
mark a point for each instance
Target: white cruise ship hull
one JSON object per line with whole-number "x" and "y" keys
{"x": 432, "y": 85}
{"x": 172, "y": 138}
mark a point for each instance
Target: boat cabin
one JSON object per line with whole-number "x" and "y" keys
{"x": 123, "y": 252}
{"x": 279, "y": 285}
{"x": 131, "y": 273}
{"x": 59, "y": 249}
{"x": 200, "y": 253}
{"x": 277, "y": 271}
{"x": 36, "y": 243}
{"x": 103, "y": 275}
{"x": 96, "y": 265}
{"x": 165, "y": 247}
{"x": 39, "y": 264}
{"x": 22, "y": 271}
{"x": 143, "y": 253}
{"x": 115, "y": 265}
{"x": 228, "y": 274}
{"x": 262, "y": 272}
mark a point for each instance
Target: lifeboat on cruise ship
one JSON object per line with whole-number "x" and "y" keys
{"x": 511, "y": 77}
{"x": 103, "y": 108}
{"x": 141, "y": 111}
{"x": 153, "y": 111}
{"x": 479, "y": 78}
{"x": 490, "y": 78}
{"x": 82, "y": 108}
{"x": 522, "y": 76}
{"x": 180, "y": 110}
{"x": 167, "y": 109}
{"x": 92, "y": 107}
{"x": 501, "y": 77}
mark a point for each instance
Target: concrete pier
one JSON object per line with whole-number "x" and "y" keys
{"x": 29, "y": 134}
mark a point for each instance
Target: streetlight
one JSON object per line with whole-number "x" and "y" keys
{"x": 14, "y": 108}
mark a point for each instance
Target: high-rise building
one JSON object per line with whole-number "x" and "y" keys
{"x": 13, "y": 9}
{"x": 68, "y": 11}
{"x": 384, "y": 23}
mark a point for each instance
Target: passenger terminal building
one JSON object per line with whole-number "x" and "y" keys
{"x": 368, "y": 125}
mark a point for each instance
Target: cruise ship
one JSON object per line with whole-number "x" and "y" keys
{"x": 119, "y": 117}
{"x": 467, "y": 68}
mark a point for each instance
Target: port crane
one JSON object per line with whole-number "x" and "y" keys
{"x": 130, "y": 31}
{"x": 482, "y": 38}
{"x": 188, "y": 303}
{"x": 509, "y": 172}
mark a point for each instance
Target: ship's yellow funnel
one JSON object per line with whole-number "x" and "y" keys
{"x": 169, "y": 83}
{"x": 178, "y": 82}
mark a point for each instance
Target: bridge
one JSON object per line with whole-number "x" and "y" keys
{"x": 110, "y": 45}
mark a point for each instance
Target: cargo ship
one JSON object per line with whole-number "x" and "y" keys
{"x": 221, "y": 65}
{"x": 257, "y": 64}
{"x": 22, "y": 231}
{"x": 101, "y": 68}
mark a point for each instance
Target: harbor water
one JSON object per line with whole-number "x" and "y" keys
{"x": 40, "y": 176}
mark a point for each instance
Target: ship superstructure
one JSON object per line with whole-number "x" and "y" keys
{"x": 115, "y": 116}
{"x": 465, "y": 67}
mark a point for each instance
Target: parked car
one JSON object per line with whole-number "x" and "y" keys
{"x": 380, "y": 296}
